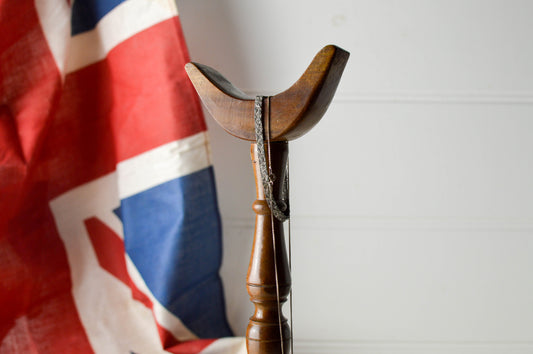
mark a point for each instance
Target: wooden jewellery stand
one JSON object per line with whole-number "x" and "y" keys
{"x": 290, "y": 115}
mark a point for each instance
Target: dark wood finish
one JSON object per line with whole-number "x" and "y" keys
{"x": 292, "y": 113}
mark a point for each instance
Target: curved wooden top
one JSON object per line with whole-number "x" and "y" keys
{"x": 292, "y": 112}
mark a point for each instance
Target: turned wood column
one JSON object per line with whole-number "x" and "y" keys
{"x": 268, "y": 258}
{"x": 292, "y": 113}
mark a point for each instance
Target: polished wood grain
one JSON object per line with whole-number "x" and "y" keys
{"x": 290, "y": 115}
{"x": 293, "y": 112}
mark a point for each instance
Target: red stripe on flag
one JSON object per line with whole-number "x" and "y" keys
{"x": 35, "y": 286}
{"x": 12, "y": 163}
{"x": 29, "y": 92}
{"x": 29, "y": 77}
{"x": 158, "y": 103}
{"x": 109, "y": 249}
{"x": 137, "y": 99}
{"x": 38, "y": 312}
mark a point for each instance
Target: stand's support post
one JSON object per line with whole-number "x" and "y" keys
{"x": 291, "y": 113}
{"x": 268, "y": 260}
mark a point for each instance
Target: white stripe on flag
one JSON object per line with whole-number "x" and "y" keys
{"x": 235, "y": 345}
{"x": 55, "y": 22}
{"x": 125, "y": 20}
{"x": 162, "y": 164}
{"x": 89, "y": 281}
{"x": 97, "y": 294}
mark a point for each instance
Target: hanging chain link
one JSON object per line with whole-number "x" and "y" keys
{"x": 281, "y": 211}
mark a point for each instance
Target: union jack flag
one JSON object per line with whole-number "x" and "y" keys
{"x": 110, "y": 237}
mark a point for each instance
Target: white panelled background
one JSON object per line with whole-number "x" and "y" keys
{"x": 412, "y": 199}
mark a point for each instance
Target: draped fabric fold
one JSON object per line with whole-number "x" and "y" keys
{"x": 110, "y": 236}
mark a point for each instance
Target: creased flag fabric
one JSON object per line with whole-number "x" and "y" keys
{"x": 110, "y": 236}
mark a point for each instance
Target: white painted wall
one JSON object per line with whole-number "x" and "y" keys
{"x": 412, "y": 200}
